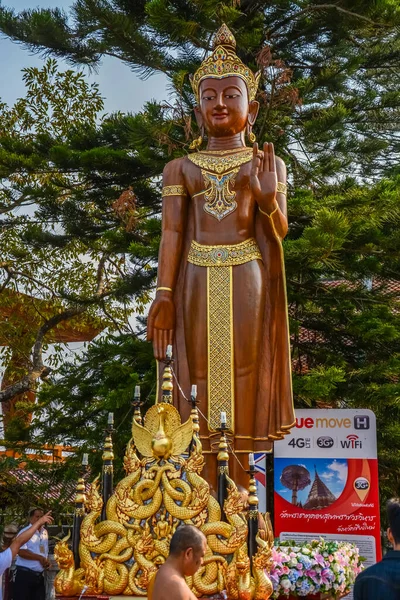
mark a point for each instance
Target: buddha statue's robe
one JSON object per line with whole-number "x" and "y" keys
{"x": 261, "y": 395}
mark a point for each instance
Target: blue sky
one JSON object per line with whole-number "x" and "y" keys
{"x": 121, "y": 88}
{"x": 333, "y": 473}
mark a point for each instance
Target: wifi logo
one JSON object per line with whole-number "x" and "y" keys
{"x": 351, "y": 441}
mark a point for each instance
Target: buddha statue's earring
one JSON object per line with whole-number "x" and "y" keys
{"x": 250, "y": 134}
{"x": 198, "y": 141}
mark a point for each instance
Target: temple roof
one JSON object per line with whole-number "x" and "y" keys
{"x": 319, "y": 496}
{"x": 20, "y": 313}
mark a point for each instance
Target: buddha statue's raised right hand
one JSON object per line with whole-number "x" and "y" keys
{"x": 161, "y": 323}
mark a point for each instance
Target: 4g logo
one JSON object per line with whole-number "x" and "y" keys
{"x": 300, "y": 443}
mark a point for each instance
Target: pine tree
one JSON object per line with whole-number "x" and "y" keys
{"x": 330, "y": 103}
{"x": 67, "y": 220}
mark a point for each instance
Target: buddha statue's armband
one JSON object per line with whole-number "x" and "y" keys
{"x": 174, "y": 190}
{"x": 281, "y": 187}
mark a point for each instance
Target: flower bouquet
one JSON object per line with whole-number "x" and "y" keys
{"x": 321, "y": 568}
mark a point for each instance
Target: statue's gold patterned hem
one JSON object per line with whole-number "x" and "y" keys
{"x": 220, "y": 347}
{"x": 227, "y": 255}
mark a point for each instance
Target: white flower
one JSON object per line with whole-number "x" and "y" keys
{"x": 286, "y": 584}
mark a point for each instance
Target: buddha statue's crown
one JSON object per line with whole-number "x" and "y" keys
{"x": 224, "y": 62}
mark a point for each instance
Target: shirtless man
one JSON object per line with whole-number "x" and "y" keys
{"x": 187, "y": 549}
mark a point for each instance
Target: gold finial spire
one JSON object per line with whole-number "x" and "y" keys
{"x": 224, "y": 62}
{"x": 224, "y": 37}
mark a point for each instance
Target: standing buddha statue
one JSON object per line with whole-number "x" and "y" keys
{"x": 221, "y": 299}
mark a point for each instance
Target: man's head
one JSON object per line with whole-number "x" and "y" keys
{"x": 9, "y": 533}
{"x": 34, "y": 515}
{"x": 393, "y": 514}
{"x": 188, "y": 546}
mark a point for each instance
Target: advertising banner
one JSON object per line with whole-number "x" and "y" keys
{"x": 326, "y": 479}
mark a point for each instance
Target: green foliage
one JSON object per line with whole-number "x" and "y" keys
{"x": 73, "y": 410}
{"x": 329, "y": 100}
{"x": 66, "y": 270}
{"x": 343, "y": 270}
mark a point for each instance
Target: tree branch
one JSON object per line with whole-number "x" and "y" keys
{"x": 38, "y": 369}
{"x": 324, "y": 7}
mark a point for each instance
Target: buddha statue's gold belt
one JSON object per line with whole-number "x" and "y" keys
{"x": 227, "y": 255}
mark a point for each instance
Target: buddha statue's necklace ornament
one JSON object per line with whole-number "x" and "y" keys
{"x": 224, "y": 62}
{"x": 221, "y": 163}
{"x": 219, "y": 174}
{"x": 219, "y": 196}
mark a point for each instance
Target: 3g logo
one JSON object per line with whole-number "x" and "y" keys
{"x": 325, "y": 442}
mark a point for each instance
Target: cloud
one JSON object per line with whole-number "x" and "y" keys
{"x": 336, "y": 470}
{"x": 327, "y": 475}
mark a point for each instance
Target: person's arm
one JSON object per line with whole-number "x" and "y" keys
{"x": 174, "y": 210}
{"x": 5, "y": 561}
{"x": 29, "y": 555}
{"x": 25, "y": 536}
{"x": 161, "y": 319}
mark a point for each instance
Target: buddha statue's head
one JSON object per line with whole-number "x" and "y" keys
{"x": 225, "y": 89}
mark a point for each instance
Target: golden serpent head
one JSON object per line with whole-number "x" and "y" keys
{"x": 242, "y": 562}
{"x": 63, "y": 555}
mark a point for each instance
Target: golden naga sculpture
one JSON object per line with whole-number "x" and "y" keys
{"x": 69, "y": 581}
{"x": 163, "y": 488}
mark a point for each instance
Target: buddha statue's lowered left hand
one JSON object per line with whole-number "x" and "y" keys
{"x": 161, "y": 323}
{"x": 263, "y": 177}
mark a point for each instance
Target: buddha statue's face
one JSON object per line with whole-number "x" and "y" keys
{"x": 224, "y": 106}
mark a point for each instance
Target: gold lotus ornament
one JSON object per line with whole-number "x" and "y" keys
{"x": 163, "y": 434}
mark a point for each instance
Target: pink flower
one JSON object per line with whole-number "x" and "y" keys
{"x": 319, "y": 559}
{"x": 327, "y": 576}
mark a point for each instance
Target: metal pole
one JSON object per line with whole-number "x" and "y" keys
{"x": 253, "y": 513}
